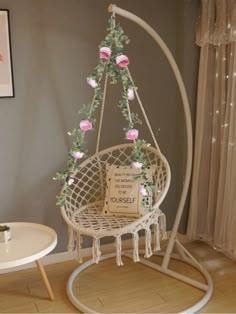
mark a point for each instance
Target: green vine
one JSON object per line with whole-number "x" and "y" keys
{"x": 114, "y": 44}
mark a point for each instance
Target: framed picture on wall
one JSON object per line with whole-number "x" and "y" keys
{"x": 6, "y": 74}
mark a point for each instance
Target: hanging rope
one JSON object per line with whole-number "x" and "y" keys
{"x": 128, "y": 108}
{"x": 104, "y": 97}
{"x": 143, "y": 112}
{"x": 102, "y": 113}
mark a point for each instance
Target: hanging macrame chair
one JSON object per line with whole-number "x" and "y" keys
{"x": 83, "y": 203}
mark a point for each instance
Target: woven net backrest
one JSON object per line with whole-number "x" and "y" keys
{"x": 90, "y": 180}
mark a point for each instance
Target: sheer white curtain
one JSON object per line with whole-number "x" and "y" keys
{"x": 213, "y": 195}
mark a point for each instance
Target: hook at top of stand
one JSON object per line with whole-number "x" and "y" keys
{"x": 110, "y": 10}
{"x": 111, "y": 7}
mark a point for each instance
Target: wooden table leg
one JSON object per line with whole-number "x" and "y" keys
{"x": 45, "y": 279}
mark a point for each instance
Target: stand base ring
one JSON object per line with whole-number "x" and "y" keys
{"x": 84, "y": 309}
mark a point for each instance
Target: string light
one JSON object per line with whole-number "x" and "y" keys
{"x": 225, "y": 125}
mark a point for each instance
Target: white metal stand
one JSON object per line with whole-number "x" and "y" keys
{"x": 183, "y": 254}
{"x": 207, "y": 286}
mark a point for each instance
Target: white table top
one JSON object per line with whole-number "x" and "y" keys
{"x": 29, "y": 242}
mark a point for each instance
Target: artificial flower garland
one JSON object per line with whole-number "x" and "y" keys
{"x": 114, "y": 63}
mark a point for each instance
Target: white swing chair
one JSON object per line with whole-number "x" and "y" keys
{"x": 83, "y": 206}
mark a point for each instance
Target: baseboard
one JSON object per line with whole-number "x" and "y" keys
{"x": 85, "y": 252}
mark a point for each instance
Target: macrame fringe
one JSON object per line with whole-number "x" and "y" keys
{"x": 96, "y": 250}
{"x": 72, "y": 239}
{"x": 135, "y": 247}
{"x": 118, "y": 251}
{"x": 148, "y": 243}
{"x": 79, "y": 245}
{"x": 75, "y": 242}
{"x": 157, "y": 246}
{"x": 162, "y": 221}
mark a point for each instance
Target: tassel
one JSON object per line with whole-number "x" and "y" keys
{"x": 135, "y": 247}
{"x": 148, "y": 240}
{"x": 79, "y": 245}
{"x": 96, "y": 250}
{"x": 118, "y": 251}
{"x": 71, "y": 239}
{"x": 163, "y": 226}
{"x": 156, "y": 238}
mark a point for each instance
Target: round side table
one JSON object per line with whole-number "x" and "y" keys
{"x": 29, "y": 242}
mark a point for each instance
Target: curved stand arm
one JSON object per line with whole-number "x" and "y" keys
{"x": 114, "y": 9}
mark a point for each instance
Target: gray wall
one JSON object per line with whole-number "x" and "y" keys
{"x": 54, "y": 48}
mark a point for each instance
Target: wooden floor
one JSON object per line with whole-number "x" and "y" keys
{"x": 132, "y": 288}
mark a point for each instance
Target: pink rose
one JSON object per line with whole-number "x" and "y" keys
{"x": 92, "y": 82}
{"x": 137, "y": 165}
{"x": 1, "y": 58}
{"x": 78, "y": 155}
{"x": 132, "y": 134}
{"x": 105, "y": 53}
{"x": 143, "y": 191}
{"x": 70, "y": 181}
{"x": 85, "y": 125}
{"x": 122, "y": 61}
{"x": 130, "y": 93}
